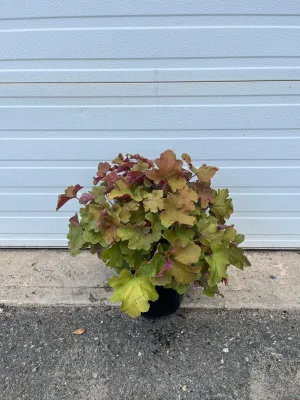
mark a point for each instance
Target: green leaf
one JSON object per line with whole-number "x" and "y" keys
{"x": 218, "y": 263}
{"x": 138, "y": 236}
{"x": 122, "y": 189}
{"x": 182, "y": 288}
{"x": 229, "y": 234}
{"x": 112, "y": 256}
{"x": 94, "y": 211}
{"x": 182, "y": 259}
{"x": 134, "y": 291}
{"x": 98, "y": 193}
{"x": 211, "y": 291}
{"x": 161, "y": 280}
{"x": 127, "y": 209}
{"x": 237, "y": 258}
{"x": 134, "y": 258}
{"x": 185, "y": 235}
{"x": 239, "y": 238}
{"x": 207, "y": 227}
{"x": 152, "y": 267}
{"x": 76, "y": 240}
{"x": 222, "y": 207}
{"x": 93, "y": 237}
{"x": 138, "y": 216}
{"x": 156, "y": 226}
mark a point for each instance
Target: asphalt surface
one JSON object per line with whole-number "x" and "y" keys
{"x": 195, "y": 354}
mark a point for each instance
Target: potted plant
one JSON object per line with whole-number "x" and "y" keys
{"x": 160, "y": 226}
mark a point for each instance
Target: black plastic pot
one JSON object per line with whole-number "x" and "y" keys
{"x": 169, "y": 301}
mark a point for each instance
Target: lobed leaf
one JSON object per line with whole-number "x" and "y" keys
{"x": 184, "y": 235}
{"x": 126, "y": 210}
{"x": 177, "y": 209}
{"x": 222, "y": 207}
{"x": 134, "y": 291}
{"x": 205, "y": 173}
{"x": 218, "y": 263}
{"x": 237, "y": 258}
{"x": 169, "y": 169}
{"x": 122, "y": 190}
{"x": 98, "y": 193}
{"x": 76, "y": 240}
{"x": 154, "y": 201}
{"x": 70, "y": 193}
{"x": 154, "y": 266}
{"x": 103, "y": 168}
{"x": 182, "y": 260}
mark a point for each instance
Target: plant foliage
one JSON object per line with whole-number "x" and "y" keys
{"x": 156, "y": 223}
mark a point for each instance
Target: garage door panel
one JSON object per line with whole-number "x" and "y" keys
{"x": 153, "y": 41}
{"x": 176, "y": 42}
{"x": 58, "y": 9}
{"x": 209, "y": 116}
{"x": 226, "y": 92}
{"x": 63, "y": 177}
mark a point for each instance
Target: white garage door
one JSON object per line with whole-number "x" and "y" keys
{"x": 82, "y": 81}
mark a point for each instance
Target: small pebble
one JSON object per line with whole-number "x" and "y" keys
{"x": 95, "y": 375}
{"x": 225, "y": 350}
{"x": 34, "y": 369}
{"x": 184, "y": 388}
{"x": 139, "y": 354}
{"x": 272, "y": 276}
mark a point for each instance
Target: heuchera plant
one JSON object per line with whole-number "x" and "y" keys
{"x": 157, "y": 224}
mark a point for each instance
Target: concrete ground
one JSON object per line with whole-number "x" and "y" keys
{"x": 53, "y": 277}
{"x": 243, "y": 347}
{"x": 195, "y": 354}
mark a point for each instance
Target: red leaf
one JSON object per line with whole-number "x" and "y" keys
{"x": 163, "y": 184}
{"x": 85, "y": 198}
{"x": 103, "y": 168}
{"x": 135, "y": 177}
{"x": 102, "y": 217}
{"x": 70, "y": 193}
{"x": 141, "y": 158}
{"x": 74, "y": 220}
{"x": 126, "y": 166}
{"x": 110, "y": 179}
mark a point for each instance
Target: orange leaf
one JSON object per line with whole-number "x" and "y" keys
{"x": 169, "y": 169}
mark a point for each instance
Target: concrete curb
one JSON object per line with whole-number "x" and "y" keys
{"x": 53, "y": 277}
